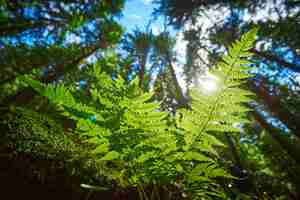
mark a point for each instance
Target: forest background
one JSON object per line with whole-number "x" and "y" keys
{"x": 162, "y": 99}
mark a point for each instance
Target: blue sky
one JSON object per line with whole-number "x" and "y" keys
{"x": 137, "y": 13}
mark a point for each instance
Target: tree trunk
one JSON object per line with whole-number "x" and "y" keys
{"x": 182, "y": 101}
{"x": 274, "y": 58}
{"x": 275, "y": 106}
{"x": 26, "y": 95}
{"x": 291, "y": 146}
{"x": 142, "y": 72}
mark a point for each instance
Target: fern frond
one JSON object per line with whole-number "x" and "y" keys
{"x": 229, "y": 99}
{"x": 216, "y": 114}
{"x": 124, "y": 126}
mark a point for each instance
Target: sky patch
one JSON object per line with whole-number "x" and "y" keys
{"x": 147, "y": 2}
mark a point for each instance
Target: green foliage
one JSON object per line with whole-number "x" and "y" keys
{"x": 269, "y": 165}
{"x": 39, "y": 137}
{"x": 37, "y": 34}
{"x": 107, "y": 126}
{"x": 212, "y": 115}
{"x": 137, "y": 144}
{"x": 38, "y": 134}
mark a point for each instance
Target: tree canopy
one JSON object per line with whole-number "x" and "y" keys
{"x": 94, "y": 112}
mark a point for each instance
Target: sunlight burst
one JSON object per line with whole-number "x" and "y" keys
{"x": 208, "y": 84}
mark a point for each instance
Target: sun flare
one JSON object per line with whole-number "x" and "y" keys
{"x": 208, "y": 83}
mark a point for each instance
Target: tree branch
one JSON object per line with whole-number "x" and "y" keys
{"x": 274, "y": 58}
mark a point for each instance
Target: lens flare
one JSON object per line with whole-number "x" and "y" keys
{"x": 208, "y": 83}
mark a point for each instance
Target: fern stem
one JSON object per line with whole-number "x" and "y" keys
{"x": 215, "y": 104}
